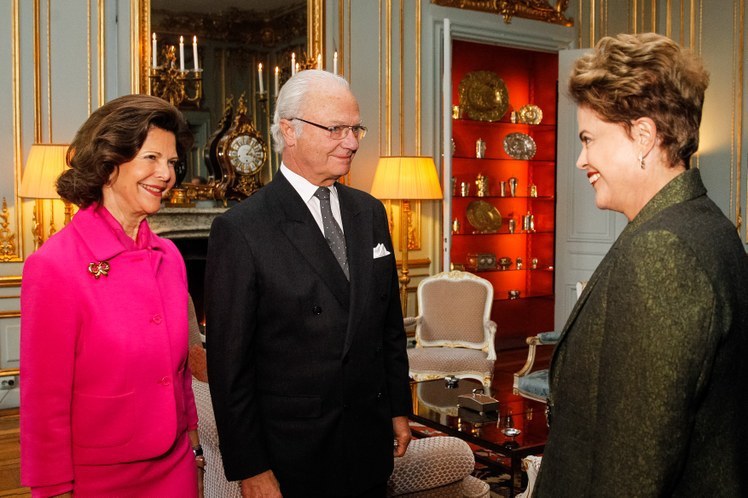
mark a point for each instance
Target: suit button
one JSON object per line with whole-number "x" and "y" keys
{"x": 383, "y": 297}
{"x": 317, "y": 310}
{"x": 165, "y": 381}
{"x": 379, "y": 395}
{"x": 156, "y": 319}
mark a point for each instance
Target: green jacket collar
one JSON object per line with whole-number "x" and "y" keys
{"x": 684, "y": 187}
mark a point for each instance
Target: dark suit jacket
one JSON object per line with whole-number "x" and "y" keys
{"x": 306, "y": 370}
{"x": 649, "y": 380}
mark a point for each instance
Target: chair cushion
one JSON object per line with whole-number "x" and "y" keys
{"x": 470, "y": 487}
{"x": 430, "y": 463}
{"x": 448, "y": 361}
{"x": 535, "y": 383}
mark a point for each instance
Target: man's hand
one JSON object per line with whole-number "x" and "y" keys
{"x": 401, "y": 430}
{"x": 263, "y": 485}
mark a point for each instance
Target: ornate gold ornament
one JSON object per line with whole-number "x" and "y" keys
{"x": 539, "y": 10}
{"x": 7, "y": 243}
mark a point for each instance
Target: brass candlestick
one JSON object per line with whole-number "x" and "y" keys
{"x": 174, "y": 85}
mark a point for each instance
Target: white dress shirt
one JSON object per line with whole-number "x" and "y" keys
{"x": 307, "y": 190}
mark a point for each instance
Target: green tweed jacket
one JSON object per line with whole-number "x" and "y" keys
{"x": 649, "y": 382}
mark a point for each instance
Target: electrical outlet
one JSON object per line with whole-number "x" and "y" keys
{"x": 8, "y": 382}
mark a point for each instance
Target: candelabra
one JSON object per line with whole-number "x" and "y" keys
{"x": 175, "y": 85}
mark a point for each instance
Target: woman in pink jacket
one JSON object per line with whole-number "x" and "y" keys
{"x": 106, "y": 406}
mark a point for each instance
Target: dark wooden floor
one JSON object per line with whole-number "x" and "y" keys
{"x": 507, "y": 363}
{"x": 10, "y": 481}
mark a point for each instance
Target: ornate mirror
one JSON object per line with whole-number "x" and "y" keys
{"x": 230, "y": 39}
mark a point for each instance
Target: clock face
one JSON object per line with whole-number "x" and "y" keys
{"x": 246, "y": 154}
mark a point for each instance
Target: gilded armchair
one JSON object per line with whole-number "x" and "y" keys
{"x": 534, "y": 384}
{"x": 454, "y": 332}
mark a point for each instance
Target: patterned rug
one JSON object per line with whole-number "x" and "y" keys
{"x": 498, "y": 481}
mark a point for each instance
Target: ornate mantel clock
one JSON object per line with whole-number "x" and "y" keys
{"x": 241, "y": 153}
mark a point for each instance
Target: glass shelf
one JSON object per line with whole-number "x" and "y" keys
{"x": 499, "y": 270}
{"x": 503, "y": 197}
{"x": 502, "y": 159}
{"x": 502, "y": 232}
{"x": 504, "y": 122}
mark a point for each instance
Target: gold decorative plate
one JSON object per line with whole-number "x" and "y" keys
{"x": 483, "y": 216}
{"x": 483, "y": 96}
{"x": 530, "y": 114}
{"x": 520, "y": 146}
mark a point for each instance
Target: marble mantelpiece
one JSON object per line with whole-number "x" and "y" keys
{"x": 184, "y": 222}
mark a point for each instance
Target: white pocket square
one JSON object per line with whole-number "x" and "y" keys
{"x": 380, "y": 251}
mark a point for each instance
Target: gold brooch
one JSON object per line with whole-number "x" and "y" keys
{"x": 98, "y": 269}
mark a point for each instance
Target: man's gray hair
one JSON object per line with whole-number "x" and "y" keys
{"x": 292, "y": 97}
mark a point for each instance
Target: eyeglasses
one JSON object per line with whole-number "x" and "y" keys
{"x": 339, "y": 132}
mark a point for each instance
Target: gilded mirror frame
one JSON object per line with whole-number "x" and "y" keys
{"x": 539, "y": 10}
{"x": 315, "y": 37}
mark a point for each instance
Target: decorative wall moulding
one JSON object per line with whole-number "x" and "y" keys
{"x": 539, "y": 10}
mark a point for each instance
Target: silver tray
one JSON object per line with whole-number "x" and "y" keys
{"x": 520, "y": 146}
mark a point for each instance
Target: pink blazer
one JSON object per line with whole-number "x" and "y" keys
{"x": 103, "y": 360}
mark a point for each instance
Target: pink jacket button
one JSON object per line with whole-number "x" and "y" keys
{"x": 156, "y": 319}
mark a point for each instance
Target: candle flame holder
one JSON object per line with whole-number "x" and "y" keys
{"x": 174, "y": 85}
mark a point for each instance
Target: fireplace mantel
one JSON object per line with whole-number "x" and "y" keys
{"x": 184, "y": 223}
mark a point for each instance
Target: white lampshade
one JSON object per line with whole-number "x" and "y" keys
{"x": 406, "y": 177}
{"x": 44, "y": 165}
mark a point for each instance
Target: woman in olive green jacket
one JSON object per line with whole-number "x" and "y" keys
{"x": 649, "y": 380}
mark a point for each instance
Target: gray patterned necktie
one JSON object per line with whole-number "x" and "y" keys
{"x": 333, "y": 232}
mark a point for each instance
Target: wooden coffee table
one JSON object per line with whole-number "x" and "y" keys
{"x": 435, "y": 407}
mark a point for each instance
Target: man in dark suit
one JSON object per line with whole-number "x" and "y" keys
{"x": 306, "y": 348}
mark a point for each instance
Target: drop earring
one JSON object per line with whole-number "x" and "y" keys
{"x": 641, "y": 160}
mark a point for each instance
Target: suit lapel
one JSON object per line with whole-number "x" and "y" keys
{"x": 298, "y": 224}
{"x": 357, "y": 225}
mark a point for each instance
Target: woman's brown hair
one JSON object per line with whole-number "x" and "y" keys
{"x": 627, "y": 77}
{"x": 112, "y": 136}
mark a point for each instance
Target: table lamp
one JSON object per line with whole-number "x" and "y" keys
{"x": 44, "y": 165}
{"x": 405, "y": 178}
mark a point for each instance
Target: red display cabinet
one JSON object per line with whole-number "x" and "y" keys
{"x": 527, "y": 80}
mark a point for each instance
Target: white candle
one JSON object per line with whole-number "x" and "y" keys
{"x": 277, "y": 79}
{"x": 335, "y": 62}
{"x": 293, "y": 63}
{"x": 319, "y": 61}
{"x": 259, "y": 77}
{"x": 194, "y": 52}
{"x": 154, "y": 51}
{"x": 181, "y": 53}
{"x": 298, "y": 68}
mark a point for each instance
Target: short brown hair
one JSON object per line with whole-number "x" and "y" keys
{"x": 629, "y": 76}
{"x": 112, "y": 136}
